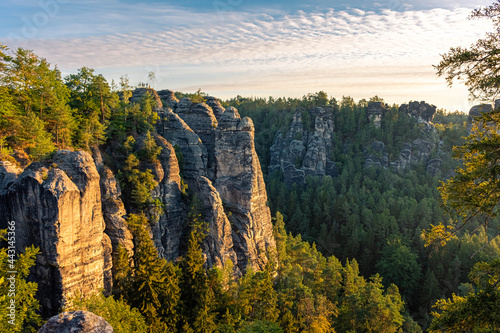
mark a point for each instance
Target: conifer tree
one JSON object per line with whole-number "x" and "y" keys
{"x": 196, "y": 295}
{"x": 26, "y": 318}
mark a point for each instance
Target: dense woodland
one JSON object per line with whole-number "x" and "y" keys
{"x": 377, "y": 216}
{"x": 360, "y": 252}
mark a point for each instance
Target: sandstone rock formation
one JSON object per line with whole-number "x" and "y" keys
{"x": 422, "y": 111}
{"x": 304, "y": 150}
{"x": 76, "y": 322}
{"x": 58, "y": 209}
{"x": 240, "y": 182}
{"x": 376, "y": 111}
{"x": 71, "y": 207}
{"x": 168, "y": 98}
{"x": 168, "y": 231}
{"x": 139, "y": 93}
{"x": 477, "y": 110}
{"x": 220, "y": 166}
{"x": 113, "y": 209}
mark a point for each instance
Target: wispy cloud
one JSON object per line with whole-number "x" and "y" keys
{"x": 268, "y": 54}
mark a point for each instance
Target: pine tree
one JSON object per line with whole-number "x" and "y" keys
{"x": 26, "y": 306}
{"x": 154, "y": 287}
{"x": 196, "y": 295}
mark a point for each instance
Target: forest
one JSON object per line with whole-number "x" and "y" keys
{"x": 371, "y": 250}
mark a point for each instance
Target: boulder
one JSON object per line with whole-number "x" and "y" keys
{"x": 76, "y": 322}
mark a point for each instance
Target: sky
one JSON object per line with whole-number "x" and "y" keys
{"x": 256, "y": 48}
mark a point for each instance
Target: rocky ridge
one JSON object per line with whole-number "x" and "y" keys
{"x": 76, "y": 322}
{"x": 304, "y": 149}
{"x": 220, "y": 166}
{"x": 71, "y": 207}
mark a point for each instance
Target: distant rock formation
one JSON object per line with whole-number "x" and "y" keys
{"x": 304, "y": 149}
{"x": 58, "y": 209}
{"x": 477, "y": 110}
{"x": 306, "y": 146}
{"x": 422, "y": 111}
{"x": 376, "y": 111}
{"x": 76, "y": 322}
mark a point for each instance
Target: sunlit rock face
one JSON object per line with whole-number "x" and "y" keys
{"x": 221, "y": 168}
{"x": 58, "y": 208}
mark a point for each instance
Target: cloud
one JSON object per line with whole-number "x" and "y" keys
{"x": 269, "y": 53}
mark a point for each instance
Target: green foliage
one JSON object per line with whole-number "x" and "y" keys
{"x": 137, "y": 186}
{"x": 152, "y": 284}
{"x": 26, "y": 306}
{"x": 150, "y": 150}
{"x": 260, "y": 327}
{"x": 398, "y": 265}
{"x": 196, "y": 295}
{"x": 477, "y": 65}
{"x": 117, "y": 313}
{"x": 35, "y": 138}
{"x": 476, "y": 311}
{"x": 357, "y": 213}
{"x": 197, "y": 97}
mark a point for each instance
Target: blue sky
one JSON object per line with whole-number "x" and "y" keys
{"x": 255, "y": 48}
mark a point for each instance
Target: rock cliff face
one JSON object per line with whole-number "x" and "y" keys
{"x": 416, "y": 152}
{"x": 422, "y": 111}
{"x": 240, "y": 182}
{"x": 305, "y": 148}
{"x": 220, "y": 166}
{"x": 58, "y": 209}
{"x": 376, "y": 111}
{"x": 71, "y": 207}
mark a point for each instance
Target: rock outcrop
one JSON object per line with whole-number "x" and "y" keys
{"x": 76, "y": 322}
{"x": 376, "y": 111}
{"x": 113, "y": 209}
{"x": 305, "y": 148}
{"x": 219, "y": 164}
{"x": 422, "y": 111}
{"x": 168, "y": 98}
{"x": 139, "y": 93}
{"x": 168, "y": 231}
{"x": 58, "y": 209}
{"x": 240, "y": 182}
{"x": 477, "y": 110}
{"x": 71, "y": 207}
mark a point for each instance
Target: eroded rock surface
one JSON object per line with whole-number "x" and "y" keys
{"x": 240, "y": 182}
{"x": 305, "y": 148}
{"x": 221, "y": 168}
{"x": 57, "y": 208}
{"x": 76, "y": 322}
{"x": 422, "y": 111}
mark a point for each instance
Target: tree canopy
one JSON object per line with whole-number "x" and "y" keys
{"x": 478, "y": 65}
